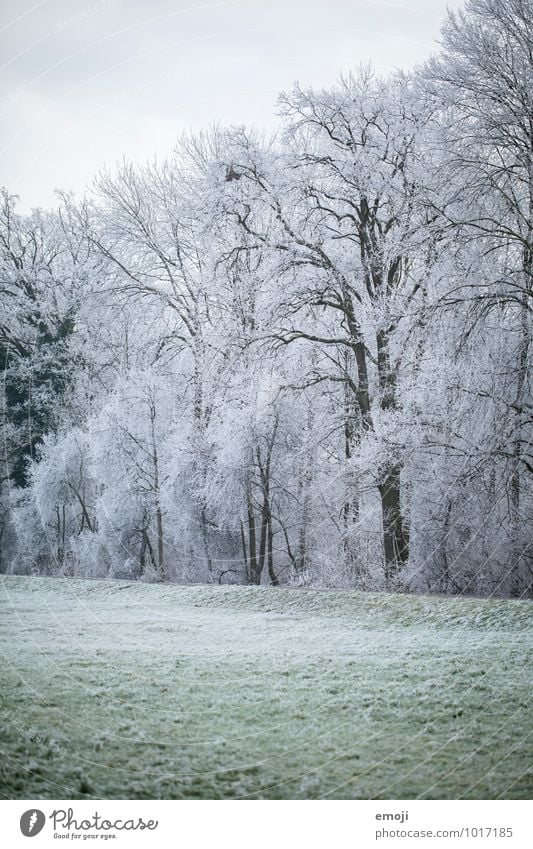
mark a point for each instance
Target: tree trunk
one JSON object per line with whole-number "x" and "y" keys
{"x": 350, "y": 509}
{"x": 245, "y": 554}
{"x": 263, "y": 539}
{"x": 265, "y": 543}
{"x": 395, "y": 536}
{"x": 271, "y": 574}
{"x": 253, "y": 570}
{"x": 158, "y": 511}
{"x": 160, "y": 542}
{"x": 395, "y": 539}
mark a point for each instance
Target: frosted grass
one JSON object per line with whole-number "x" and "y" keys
{"x": 128, "y": 690}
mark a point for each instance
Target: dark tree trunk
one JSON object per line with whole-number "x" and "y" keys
{"x": 270, "y": 561}
{"x": 254, "y": 572}
{"x": 395, "y": 535}
{"x": 395, "y": 539}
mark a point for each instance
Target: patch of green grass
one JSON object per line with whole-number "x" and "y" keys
{"x": 117, "y": 690}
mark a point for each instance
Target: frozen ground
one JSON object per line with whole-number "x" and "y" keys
{"x": 120, "y": 690}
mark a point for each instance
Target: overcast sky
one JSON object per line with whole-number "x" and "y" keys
{"x": 85, "y": 81}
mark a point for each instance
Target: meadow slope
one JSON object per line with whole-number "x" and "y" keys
{"x": 127, "y": 690}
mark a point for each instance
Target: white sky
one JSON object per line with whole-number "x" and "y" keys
{"x": 85, "y": 81}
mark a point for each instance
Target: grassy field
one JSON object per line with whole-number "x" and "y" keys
{"x": 121, "y": 690}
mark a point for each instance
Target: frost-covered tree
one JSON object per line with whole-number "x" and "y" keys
{"x": 481, "y": 85}
{"x": 299, "y": 359}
